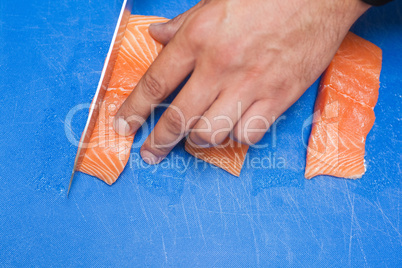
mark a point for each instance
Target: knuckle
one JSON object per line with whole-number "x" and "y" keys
{"x": 174, "y": 121}
{"x": 153, "y": 87}
{"x": 197, "y": 29}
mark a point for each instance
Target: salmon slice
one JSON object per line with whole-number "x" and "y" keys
{"x": 343, "y": 112}
{"x": 229, "y": 155}
{"x": 108, "y": 152}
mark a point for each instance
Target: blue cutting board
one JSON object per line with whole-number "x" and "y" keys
{"x": 51, "y": 55}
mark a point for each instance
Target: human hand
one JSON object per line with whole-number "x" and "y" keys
{"x": 250, "y": 61}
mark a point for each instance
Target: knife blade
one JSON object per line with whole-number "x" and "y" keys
{"x": 103, "y": 84}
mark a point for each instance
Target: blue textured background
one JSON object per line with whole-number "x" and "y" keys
{"x": 51, "y": 55}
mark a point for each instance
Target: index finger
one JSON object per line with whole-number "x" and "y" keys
{"x": 169, "y": 69}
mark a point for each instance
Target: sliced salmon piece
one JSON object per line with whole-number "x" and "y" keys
{"x": 108, "y": 153}
{"x": 343, "y": 112}
{"x": 229, "y": 155}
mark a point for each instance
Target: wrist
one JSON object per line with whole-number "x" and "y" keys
{"x": 355, "y": 8}
{"x": 346, "y": 12}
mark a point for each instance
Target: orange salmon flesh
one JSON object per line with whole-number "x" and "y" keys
{"x": 109, "y": 152}
{"x": 343, "y": 112}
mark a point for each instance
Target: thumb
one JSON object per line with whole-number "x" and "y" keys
{"x": 163, "y": 32}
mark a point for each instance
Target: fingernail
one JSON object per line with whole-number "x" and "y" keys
{"x": 122, "y": 127}
{"x": 149, "y": 157}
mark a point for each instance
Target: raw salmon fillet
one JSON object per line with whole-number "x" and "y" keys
{"x": 229, "y": 155}
{"x": 343, "y": 112}
{"x": 108, "y": 153}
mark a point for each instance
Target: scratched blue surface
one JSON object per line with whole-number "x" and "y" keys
{"x": 51, "y": 54}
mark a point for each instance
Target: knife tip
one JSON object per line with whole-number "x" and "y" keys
{"x": 71, "y": 180}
